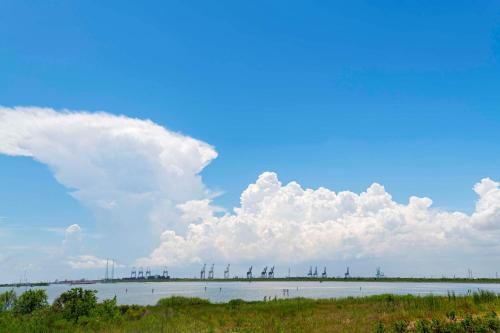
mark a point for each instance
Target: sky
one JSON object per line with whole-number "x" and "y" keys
{"x": 282, "y": 133}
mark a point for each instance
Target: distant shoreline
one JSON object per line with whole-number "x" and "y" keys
{"x": 291, "y": 279}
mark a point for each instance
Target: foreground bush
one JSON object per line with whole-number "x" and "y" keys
{"x": 76, "y": 303}
{"x": 182, "y": 301}
{"x": 30, "y": 301}
{"x": 7, "y": 300}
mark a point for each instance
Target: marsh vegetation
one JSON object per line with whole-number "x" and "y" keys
{"x": 78, "y": 310}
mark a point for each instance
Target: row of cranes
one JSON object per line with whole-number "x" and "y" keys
{"x": 265, "y": 273}
{"x": 269, "y": 274}
{"x": 139, "y": 274}
{"x": 211, "y": 272}
{"x": 314, "y": 274}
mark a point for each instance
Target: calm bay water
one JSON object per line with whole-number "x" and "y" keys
{"x": 149, "y": 293}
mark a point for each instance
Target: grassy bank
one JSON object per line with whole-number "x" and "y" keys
{"x": 78, "y": 311}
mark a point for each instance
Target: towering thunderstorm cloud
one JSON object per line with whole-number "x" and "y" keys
{"x": 131, "y": 173}
{"x": 141, "y": 178}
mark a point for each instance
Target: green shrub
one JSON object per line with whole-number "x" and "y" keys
{"x": 423, "y": 326}
{"x": 401, "y": 326}
{"x": 380, "y": 328}
{"x": 7, "y": 300}
{"x": 132, "y": 312}
{"x": 451, "y": 315}
{"x": 107, "y": 309}
{"x": 30, "y": 301}
{"x": 492, "y": 322}
{"x": 236, "y": 303}
{"x": 182, "y": 301}
{"x": 76, "y": 303}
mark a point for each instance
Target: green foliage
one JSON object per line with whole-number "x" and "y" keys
{"x": 182, "y": 301}
{"x": 7, "y": 300}
{"x": 484, "y": 296}
{"x": 236, "y": 303}
{"x": 106, "y": 310}
{"x": 387, "y": 313}
{"x": 30, "y": 300}
{"x": 132, "y": 312}
{"x": 76, "y": 303}
{"x": 380, "y": 328}
{"x": 401, "y": 326}
{"x": 451, "y": 315}
{"x": 423, "y": 326}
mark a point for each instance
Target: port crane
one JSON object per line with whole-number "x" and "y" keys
{"x": 202, "y": 272}
{"x": 165, "y": 273}
{"x": 211, "y": 273}
{"x": 264, "y": 273}
{"x": 249, "y": 273}
{"x": 271, "y": 273}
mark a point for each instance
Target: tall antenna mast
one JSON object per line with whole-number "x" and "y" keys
{"x": 106, "y": 276}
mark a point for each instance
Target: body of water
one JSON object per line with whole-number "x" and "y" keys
{"x": 145, "y": 293}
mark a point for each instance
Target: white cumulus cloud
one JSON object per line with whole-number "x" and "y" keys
{"x": 72, "y": 239}
{"x": 87, "y": 262}
{"x": 287, "y": 223}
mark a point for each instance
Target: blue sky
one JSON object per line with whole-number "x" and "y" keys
{"x": 329, "y": 94}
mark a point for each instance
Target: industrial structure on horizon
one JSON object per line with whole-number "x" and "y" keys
{"x": 268, "y": 272}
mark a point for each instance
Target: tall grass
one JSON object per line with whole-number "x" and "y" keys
{"x": 382, "y": 313}
{"x": 484, "y": 296}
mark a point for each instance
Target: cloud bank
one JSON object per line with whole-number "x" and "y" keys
{"x": 143, "y": 183}
{"x": 286, "y": 223}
